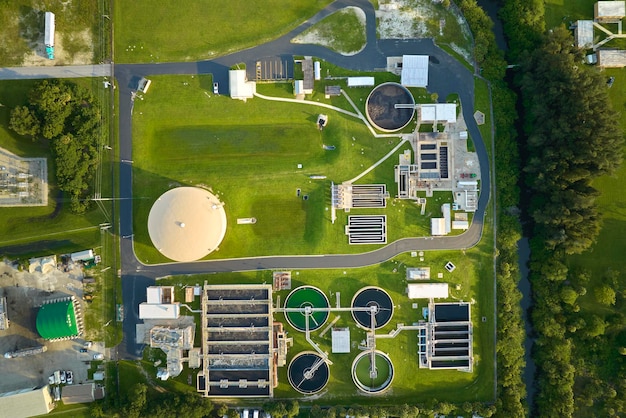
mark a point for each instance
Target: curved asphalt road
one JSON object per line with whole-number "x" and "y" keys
{"x": 446, "y": 76}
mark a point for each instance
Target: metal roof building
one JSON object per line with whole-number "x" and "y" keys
{"x": 583, "y": 33}
{"x": 609, "y": 11}
{"x": 57, "y": 320}
{"x": 71, "y": 394}
{"x": 611, "y": 58}
{"x": 187, "y": 223}
{"x": 438, "y": 112}
{"x": 26, "y": 402}
{"x": 240, "y": 88}
{"x": 427, "y": 290}
{"x": 414, "y": 71}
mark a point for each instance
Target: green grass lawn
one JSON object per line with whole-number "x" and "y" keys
{"x": 342, "y": 32}
{"x": 204, "y": 28}
{"x": 471, "y": 281}
{"x": 607, "y": 253}
{"x": 248, "y": 153}
{"x": 561, "y": 12}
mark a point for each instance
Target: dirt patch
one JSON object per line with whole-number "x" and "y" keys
{"x": 73, "y": 48}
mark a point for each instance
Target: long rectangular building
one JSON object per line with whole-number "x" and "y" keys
{"x": 237, "y": 341}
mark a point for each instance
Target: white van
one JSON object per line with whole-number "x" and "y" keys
{"x": 245, "y": 414}
{"x": 255, "y": 414}
{"x": 57, "y": 377}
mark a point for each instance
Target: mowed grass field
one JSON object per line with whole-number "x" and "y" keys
{"x": 607, "y": 253}
{"x": 248, "y": 153}
{"x": 204, "y": 28}
{"x": 564, "y": 11}
{"x": 41, "y": 230}
{"x": 474, "y": 277}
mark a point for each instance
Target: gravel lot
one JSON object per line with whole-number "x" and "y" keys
{"x": 25, "y": 292}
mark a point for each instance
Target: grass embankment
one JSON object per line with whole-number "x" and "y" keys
{"x": 249, "y": 153}
{"x": 471, "y": 281}
{"x": 342, "y": 31}
{"x": 204, "y": 29}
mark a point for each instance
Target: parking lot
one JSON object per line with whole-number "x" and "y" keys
{"x": 25, "y": 292}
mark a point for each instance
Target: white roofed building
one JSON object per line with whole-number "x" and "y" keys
{"x": 160, "y": 304}
{"x": 414, "y": 71}
{"x": 609, "y": 11}
{"x": 437, "y": 113}
{"x": 360, "y": 81}
{"x": 427, "y": 290}
{"x": 239, "y": 86}
{"x": 583, "y": 33}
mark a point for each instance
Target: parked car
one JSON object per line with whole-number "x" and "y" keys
{"x": 88, "y": 344}
{"x": 51, "y": 379}
{"x": 83, "y": 350}
{"x": 216, "y": 88}
{"x": 98, "y": 356}
{"x": 57, "y": 393}
{"x": 610, "y": 82}
{"x": 63, "y": 377}
{"x": 70, "y": 377}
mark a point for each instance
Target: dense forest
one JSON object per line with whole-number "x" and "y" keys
{"x": 69, "y": 117}
{"x": 571, "y": 136}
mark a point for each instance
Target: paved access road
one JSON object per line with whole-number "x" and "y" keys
{"x": 73, "y": 71}
{"x": 446, "y": 76}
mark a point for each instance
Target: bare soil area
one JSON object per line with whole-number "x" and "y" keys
{"x": 80, "y": 53}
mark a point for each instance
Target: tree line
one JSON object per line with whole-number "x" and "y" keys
{"x": 69, "y": 117}
{"x": 570, "y": 137}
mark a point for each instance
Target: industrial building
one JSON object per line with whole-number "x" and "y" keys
{"x": 160, "y": 304}
{"x": 445, "y": 341}
{"x": 237, "y": 341}
{"x": 26, "y": 403}
{"x": 414, "y": 71}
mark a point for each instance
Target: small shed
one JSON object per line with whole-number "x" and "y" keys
{"x": 418, "y": 273}
{"x": 414, "y": 71}
{"x": 427, "y": 290}
{"x": 583, "y": 33}
{"x": 360, "y": 81}
{"x": 438, "y": 226}
{"x": 332, "y": 90}
{"x": 609, "y": 11}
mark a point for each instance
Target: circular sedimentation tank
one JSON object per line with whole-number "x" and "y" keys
{"x": 370, "y": 379}
{"x": 308, "y": 373}
{"x": 381, "y": 107}
{"x": 372, "y": 301}
{"x": 306, "y": 299}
